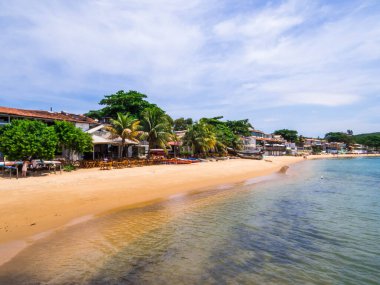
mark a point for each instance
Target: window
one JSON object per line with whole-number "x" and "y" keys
{"x": 4, "y": 120}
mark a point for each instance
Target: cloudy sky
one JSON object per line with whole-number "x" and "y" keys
{"x": 313, "y": 66}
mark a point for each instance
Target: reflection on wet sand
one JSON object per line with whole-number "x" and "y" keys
{"x": 79, "y": 252}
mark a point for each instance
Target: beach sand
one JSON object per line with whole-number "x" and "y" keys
{"x": 36, "y": 204}
{"x": 32, "y": 207}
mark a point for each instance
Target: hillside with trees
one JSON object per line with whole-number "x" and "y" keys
{"x": 370, "y": 139}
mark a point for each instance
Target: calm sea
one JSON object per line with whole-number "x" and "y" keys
{"x": 318, "y": 224}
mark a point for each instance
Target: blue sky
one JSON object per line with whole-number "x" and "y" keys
{"x": 313, "y": 66}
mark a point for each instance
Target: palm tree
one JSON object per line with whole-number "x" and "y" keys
{"x": 157, "y": 128}
{"x": 200, "y": 138}
{"x": 125, "y": 127}
{"x": 176, "y": 140}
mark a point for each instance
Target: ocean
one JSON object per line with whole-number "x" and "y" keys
{"x": 317, "y": 224}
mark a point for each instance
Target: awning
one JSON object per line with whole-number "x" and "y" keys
{"x": 102, "y": 140}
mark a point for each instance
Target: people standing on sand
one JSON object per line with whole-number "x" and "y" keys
{"x": 25, "y": 165}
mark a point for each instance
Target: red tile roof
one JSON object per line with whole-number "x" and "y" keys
{"x": 45, "y": 115}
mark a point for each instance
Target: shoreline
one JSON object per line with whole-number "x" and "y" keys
{"x": 36, "y": 204}
{"x": 35, "y": 207}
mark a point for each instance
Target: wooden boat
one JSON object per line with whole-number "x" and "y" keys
{"x": 247, "y": 155}
{"x": 257, "y": 156}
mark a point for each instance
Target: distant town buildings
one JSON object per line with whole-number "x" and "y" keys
{"x": 269, "y": 144}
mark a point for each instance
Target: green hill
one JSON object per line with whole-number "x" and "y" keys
{"x": 370, "y": 139}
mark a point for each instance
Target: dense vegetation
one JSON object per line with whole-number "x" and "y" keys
{"x": 339, "y": 137}
{"x": 131, "y": 102}
{"x": 24, "y": 138}
{"x": 371, "y": 139}
{"x": 72, "y": 139}
{"x": 156, "y": 125}
{"x": 182, "y": 124}
{"x": 208, "y": 134}
{"x": 289, "y": 135}
{"x": 34, "y": 139}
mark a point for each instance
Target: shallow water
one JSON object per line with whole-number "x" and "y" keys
{"x": 293, "y": 229}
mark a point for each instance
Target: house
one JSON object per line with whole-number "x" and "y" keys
{"x": 359, "y": 149}
{"x": 270, "y": 144}
{"x": 336, "y": 147}
{"x": 313, "y": 144}
{"x": 107, "y": 147}
{"x": 7, "y": 115}
{"x": 80, "y": 121}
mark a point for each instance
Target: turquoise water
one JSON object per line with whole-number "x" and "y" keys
{"x": 319, "y": 224}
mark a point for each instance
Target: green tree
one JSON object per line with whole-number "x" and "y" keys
{"x": 224, "y": 132}
{"x": 156, "y": 125}
{"x": 26, "y": 138}
{"x": 181, "y": 124}
{"x": 371, "y": 140}
{"x": 72, "y": 139}
{"x": 240, "y": 127}
{"x": 301, "y": 141}
{"x": 131, "y": 102}
{"x": 289, "y": 135}
{"x": 200, "y": 137}
{"x": 339, "y": 137}
{"x": 125, "y": 127}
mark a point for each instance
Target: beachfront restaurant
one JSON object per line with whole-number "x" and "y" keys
{"x": 104, "y": 147}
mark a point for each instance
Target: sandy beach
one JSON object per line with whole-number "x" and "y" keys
{"x": 35, "y": 205}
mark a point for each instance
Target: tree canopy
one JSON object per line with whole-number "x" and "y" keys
{"x": 224, "y": 135}
{"x": 214, "y": 134}
{"x": 240, "y": 127}
{"x": 371, "y": 140}
{"x": 182, "y": 124}
{"x": 339, "y": 137}
{"x": 72, "y": 138}
{"x": 156, "y": 125}
{"x": 200, "y": 138}
{"x": 26, "y": 138}
{"x": 131, "y": 102}
{"x": 289, "y": 135}
{"x": 125, "y": 127}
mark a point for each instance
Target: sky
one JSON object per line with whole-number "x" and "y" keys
{"x": 313, "y": 66}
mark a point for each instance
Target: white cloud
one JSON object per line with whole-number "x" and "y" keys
{"x": 192, "y": 53}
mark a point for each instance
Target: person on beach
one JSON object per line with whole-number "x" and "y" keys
{"x": 24, "y": 169}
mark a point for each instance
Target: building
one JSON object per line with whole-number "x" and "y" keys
{"x": 310, "y": 145}
{"x": 80, "y": 121}
{"x": 107, "y": 147}
{"x": 269, "y": 143}
{"x": 359, "y": 149}
{"x": 7, "y": 115}
{"x": 336, "y": 147}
